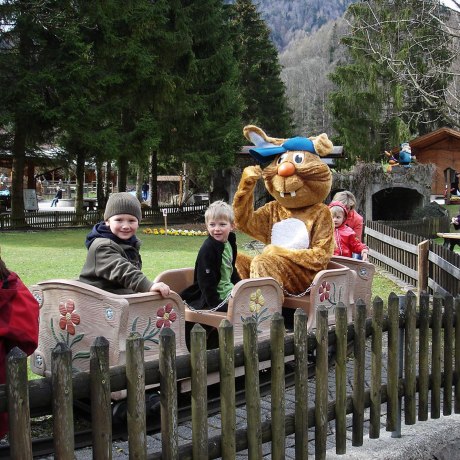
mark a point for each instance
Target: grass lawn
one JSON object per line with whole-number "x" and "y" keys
{"x": 38, "y": 256}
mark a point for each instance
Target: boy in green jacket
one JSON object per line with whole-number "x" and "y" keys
{"x": 113, "y": 262}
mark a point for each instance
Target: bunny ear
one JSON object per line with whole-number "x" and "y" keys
{"x": 258, "y": 140}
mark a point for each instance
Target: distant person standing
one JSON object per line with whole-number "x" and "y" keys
{"x": 145, "y": 190}
{"x": 57, "y": 197}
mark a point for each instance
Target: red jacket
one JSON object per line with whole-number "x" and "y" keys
{"x": 356, "y": 222}
{"x": 18, "y": 325}
{"x": 346, "y": 242}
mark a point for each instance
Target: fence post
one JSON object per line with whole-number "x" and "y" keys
{"x": 199, "y": 372}
{"x": 422, "y": 262}
{"x": 410, "y": 352}
{"x": 278, "y": 405}
{"x": 376, "y": 369}
{"x": 436, "y": 356}
{"x": 135, "y": 386}
{"x": 393, "y": 362}
{"x": 227, "y": 389}
{"x": 457, "y": 355}
{"x": 251, "y": 375}
{"x": 17, "y": 391}
{"x": 168, "y": 394}
{"x": 424, "y": 373}
{"x": 301, "y": 384}
{"x": 101, "y": 419}
{"x": 61, "y": 380}
{"x": 358, "y": 374}
{"x": 321, "y": 382}
{"x": 396, "y": 433}
{"x": 448, "y": 354}
{"x": 341, "y": 379}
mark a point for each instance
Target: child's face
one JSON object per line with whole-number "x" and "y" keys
{"x": 124, "y": 226}
{"x": 219, "y": 229}
{"x": 338, "y": 218}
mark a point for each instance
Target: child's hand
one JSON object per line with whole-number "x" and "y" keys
{"x": 160, "y": 287}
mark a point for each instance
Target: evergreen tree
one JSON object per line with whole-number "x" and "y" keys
{"x": 212, "y": 134}
{"x": 27, "y": 77}
{"x": 263, "y": 91}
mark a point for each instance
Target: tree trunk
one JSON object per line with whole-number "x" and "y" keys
{"x": 80, "y": 173}
{"x": 100, "y": 185}
{"x": 17, "y": 181}
{"x": 122, "y": 173}
{"x": 154, "y": 180}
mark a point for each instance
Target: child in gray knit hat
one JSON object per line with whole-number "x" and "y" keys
{"x": 113, "y": 262}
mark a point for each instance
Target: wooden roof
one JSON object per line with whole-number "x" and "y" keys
{"x": 434, "y": 137}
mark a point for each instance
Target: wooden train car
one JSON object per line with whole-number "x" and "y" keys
{"x": 76, "y": 313}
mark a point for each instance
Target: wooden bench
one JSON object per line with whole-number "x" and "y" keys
{"x": 76, "y": 313}
{"x": 450, "y": 239}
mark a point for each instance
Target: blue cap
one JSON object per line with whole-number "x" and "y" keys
{"x": 264, "y": 154}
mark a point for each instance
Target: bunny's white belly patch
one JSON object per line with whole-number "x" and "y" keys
{"x": 291, "y": 234}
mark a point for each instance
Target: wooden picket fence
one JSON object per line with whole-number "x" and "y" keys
{"x": 432, "y": 335}
{"x": 414, "y": 259}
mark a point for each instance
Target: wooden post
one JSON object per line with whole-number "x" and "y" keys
{"x": 135, "y": 385}
{"x": 457, "y": 355}
{"x": 168, "y": 395}
{"x": 424, "y": 373}
{"x": 321, "y": 383}
{"x": 436, "y": 356}
{"x": 393, "y": 362}
{"x": 227, "y": 389}
{"x": 199, "y": 392}
{"x": 448, "y": 354}
{"x": 376, "y": 369}
{"x": 17, "y": 391}
{"x": 410, "y": 351}
{"x": 422, "y": 263}
{"x": 278, "y": 404}
{"x": 358, "y": 376}
{"x": 61, "y": 378}
{"x": 101, "y": 420}
{"x": 251, "y": 374}
{"x": 301, "y": 384}
{"x": 341, "y": 327}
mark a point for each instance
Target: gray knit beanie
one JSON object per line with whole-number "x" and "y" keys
{"x": 123, "y": 203}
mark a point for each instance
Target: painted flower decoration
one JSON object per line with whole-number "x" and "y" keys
{"x": 256, "y": 301}
{"x": 69, "y": 319}
{"x": 324, "y": 291}
{"x": 166, "y": 315}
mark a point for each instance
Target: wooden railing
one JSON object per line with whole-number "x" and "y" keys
{"x": 441, "y": 322}
{"x": 413, "y": 259}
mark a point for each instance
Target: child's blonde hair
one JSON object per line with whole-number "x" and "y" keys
{"x": 219, "y": 210}
{"x": 347, "y": 198}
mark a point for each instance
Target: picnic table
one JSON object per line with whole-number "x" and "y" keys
{"x": 450, "y": 239}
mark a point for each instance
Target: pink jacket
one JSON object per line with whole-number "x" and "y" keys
{"x": 346, "y": 242}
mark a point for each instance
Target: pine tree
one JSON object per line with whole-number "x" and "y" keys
{"x": 261, "y": 86}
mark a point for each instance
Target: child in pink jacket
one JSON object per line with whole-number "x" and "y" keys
{"x": 346, "y": 242}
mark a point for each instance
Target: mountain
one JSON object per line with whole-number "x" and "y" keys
{"x": 291, "y": 20}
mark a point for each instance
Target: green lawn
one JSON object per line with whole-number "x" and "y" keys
{"x": 37, "y": 256}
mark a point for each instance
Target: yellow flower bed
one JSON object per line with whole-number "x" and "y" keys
{"x": 174, "y": 232}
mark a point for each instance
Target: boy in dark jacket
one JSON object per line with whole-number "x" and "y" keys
{"x": 113, "y": 262}
{"x": 215, "y": 272}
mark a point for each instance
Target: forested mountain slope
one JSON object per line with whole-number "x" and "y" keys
{"x": 294, "y": 19}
